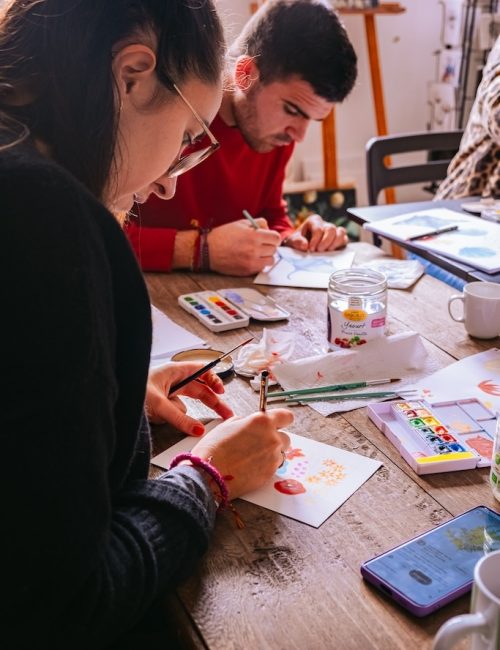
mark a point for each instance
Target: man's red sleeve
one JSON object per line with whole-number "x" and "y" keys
{"x": 153, "y": 247}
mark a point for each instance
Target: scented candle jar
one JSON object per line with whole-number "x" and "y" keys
{"x": 357, "y": 307}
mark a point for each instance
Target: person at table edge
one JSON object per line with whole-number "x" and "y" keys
{"x": 475, "y": 169}
{"x": 290, "y": 64}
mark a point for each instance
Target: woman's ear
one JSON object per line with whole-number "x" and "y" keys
{"x": 134, "y": 72}
{"x": 246, "y": 72}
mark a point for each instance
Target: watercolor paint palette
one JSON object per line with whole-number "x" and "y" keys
{"x": 255, "y": 304}
{"x": 440, "y": 436}
{"x": 213, "y": 311}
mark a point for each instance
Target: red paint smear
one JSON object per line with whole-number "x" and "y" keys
{"x": 289, "y": 486}
{"x": 294, "y": 453}
{"x": 489, "y": 387}
{"x": 481, "y": 445}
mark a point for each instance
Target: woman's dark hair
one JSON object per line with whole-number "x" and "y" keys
{"x": 303, "y": 38}
{"x": 56, "y": 79}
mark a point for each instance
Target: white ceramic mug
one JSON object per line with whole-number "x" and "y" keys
{"x": 481, "y": 309}
{"x": 483, "y": 621}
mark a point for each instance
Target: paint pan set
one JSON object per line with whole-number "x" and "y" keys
{"x": 440, "y": 436}
{"x": 213, "y": 311}
{"x": 231, "y": 308}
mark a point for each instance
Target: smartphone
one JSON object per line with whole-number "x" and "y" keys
{"x": 436, "y": 567}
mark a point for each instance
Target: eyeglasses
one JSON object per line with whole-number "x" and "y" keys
{"x": 190, "y": 160}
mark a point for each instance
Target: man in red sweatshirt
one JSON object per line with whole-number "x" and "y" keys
{"x": 290, "y": 64}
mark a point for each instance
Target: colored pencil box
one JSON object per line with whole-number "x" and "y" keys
{"x": 438, "y": 436}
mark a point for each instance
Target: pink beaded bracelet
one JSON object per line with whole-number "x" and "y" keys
{"x": 212, "y": 471}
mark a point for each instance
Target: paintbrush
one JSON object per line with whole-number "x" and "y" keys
{"x": 347, "y": 396}
{"x": 331, "y": 388}
{"x": 208, "y": 366}
{"x": 264, "y": 382}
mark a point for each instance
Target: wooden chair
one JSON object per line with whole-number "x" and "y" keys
{"x": 439, "y": 146}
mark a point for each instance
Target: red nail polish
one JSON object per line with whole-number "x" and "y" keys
{"x": 198, "y": 430}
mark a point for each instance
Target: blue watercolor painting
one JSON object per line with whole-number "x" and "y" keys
{"x": 475, "y": 242}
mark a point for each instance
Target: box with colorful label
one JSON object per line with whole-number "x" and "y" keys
{"x": 440, "y": 436}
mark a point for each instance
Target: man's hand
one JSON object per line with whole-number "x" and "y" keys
{"x": 316, "y": 235}
{"x": 162, "y": 408}
{"x": 239, "y": 249}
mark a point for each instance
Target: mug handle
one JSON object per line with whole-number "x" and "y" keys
{"x": 459, "y": 319}
{"x": 456, "y": 628}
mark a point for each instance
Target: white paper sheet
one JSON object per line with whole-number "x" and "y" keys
{"x": 399, "y": 355}
{"x": 309, "y": 270}
{"x": 315, "y": 480}
{"x": 475, "y": 376}
{"x": 169, "y": 338}
{"x": 476, "y": 241}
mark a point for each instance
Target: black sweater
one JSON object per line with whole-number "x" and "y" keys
{"x": 87, "y": 540}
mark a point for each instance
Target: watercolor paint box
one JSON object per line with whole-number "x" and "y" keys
{"x": 255, "y": 304}
{"x": 213, "y": 311}
{"x": 438, "y": 436}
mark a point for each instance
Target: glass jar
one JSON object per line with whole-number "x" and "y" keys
{"x": 357, "y": 307}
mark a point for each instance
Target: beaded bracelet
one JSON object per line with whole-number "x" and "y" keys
{"x": 212, "y": 471}
{"x": 201, "y": 260}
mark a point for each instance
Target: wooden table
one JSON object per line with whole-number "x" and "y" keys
{"x": 378, "y": 212}
{"x": 280, "y": 584}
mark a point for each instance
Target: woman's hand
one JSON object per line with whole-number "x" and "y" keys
{"x": 247, "y": 451}
{"x": 161, "y": 408}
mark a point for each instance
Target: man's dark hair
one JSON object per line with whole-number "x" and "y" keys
{"x": 56, "y": 80}
{"x": 303, "y": 38}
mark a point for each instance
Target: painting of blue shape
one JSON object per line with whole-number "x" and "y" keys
{"x": 476, "y": 251}
{"x": 424, "y": 221}
{"x": 471, "y": 232}
{"x": 312, "y": 265}
{"x": 311, "y": 270}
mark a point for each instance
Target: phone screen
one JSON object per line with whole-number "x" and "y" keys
{"x": 440, "y": 562}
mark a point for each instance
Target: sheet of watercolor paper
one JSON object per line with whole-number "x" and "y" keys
{"x": 475, "y": 376}
{"x": 169, "y": 338}
{"x": 400, "y": 355}
{"x": 314, "y": 481}
{"x": 309, "y": 270}
{"x": 416, "y": 224}
{"x": 476, "y": 242}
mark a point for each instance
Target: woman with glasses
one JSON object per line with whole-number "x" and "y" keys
{"x": 98, "y": 98}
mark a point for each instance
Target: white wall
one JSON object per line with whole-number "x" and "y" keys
{"x": 406, "y": 46}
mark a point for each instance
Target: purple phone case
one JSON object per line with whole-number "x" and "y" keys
{"x": 401, "y": 598}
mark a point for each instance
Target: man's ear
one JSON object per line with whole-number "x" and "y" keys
{"x": 134, "y": 71}
{"x": 246, "y": 72}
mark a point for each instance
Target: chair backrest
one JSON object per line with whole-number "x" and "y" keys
{"x": 379, "y": 176}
